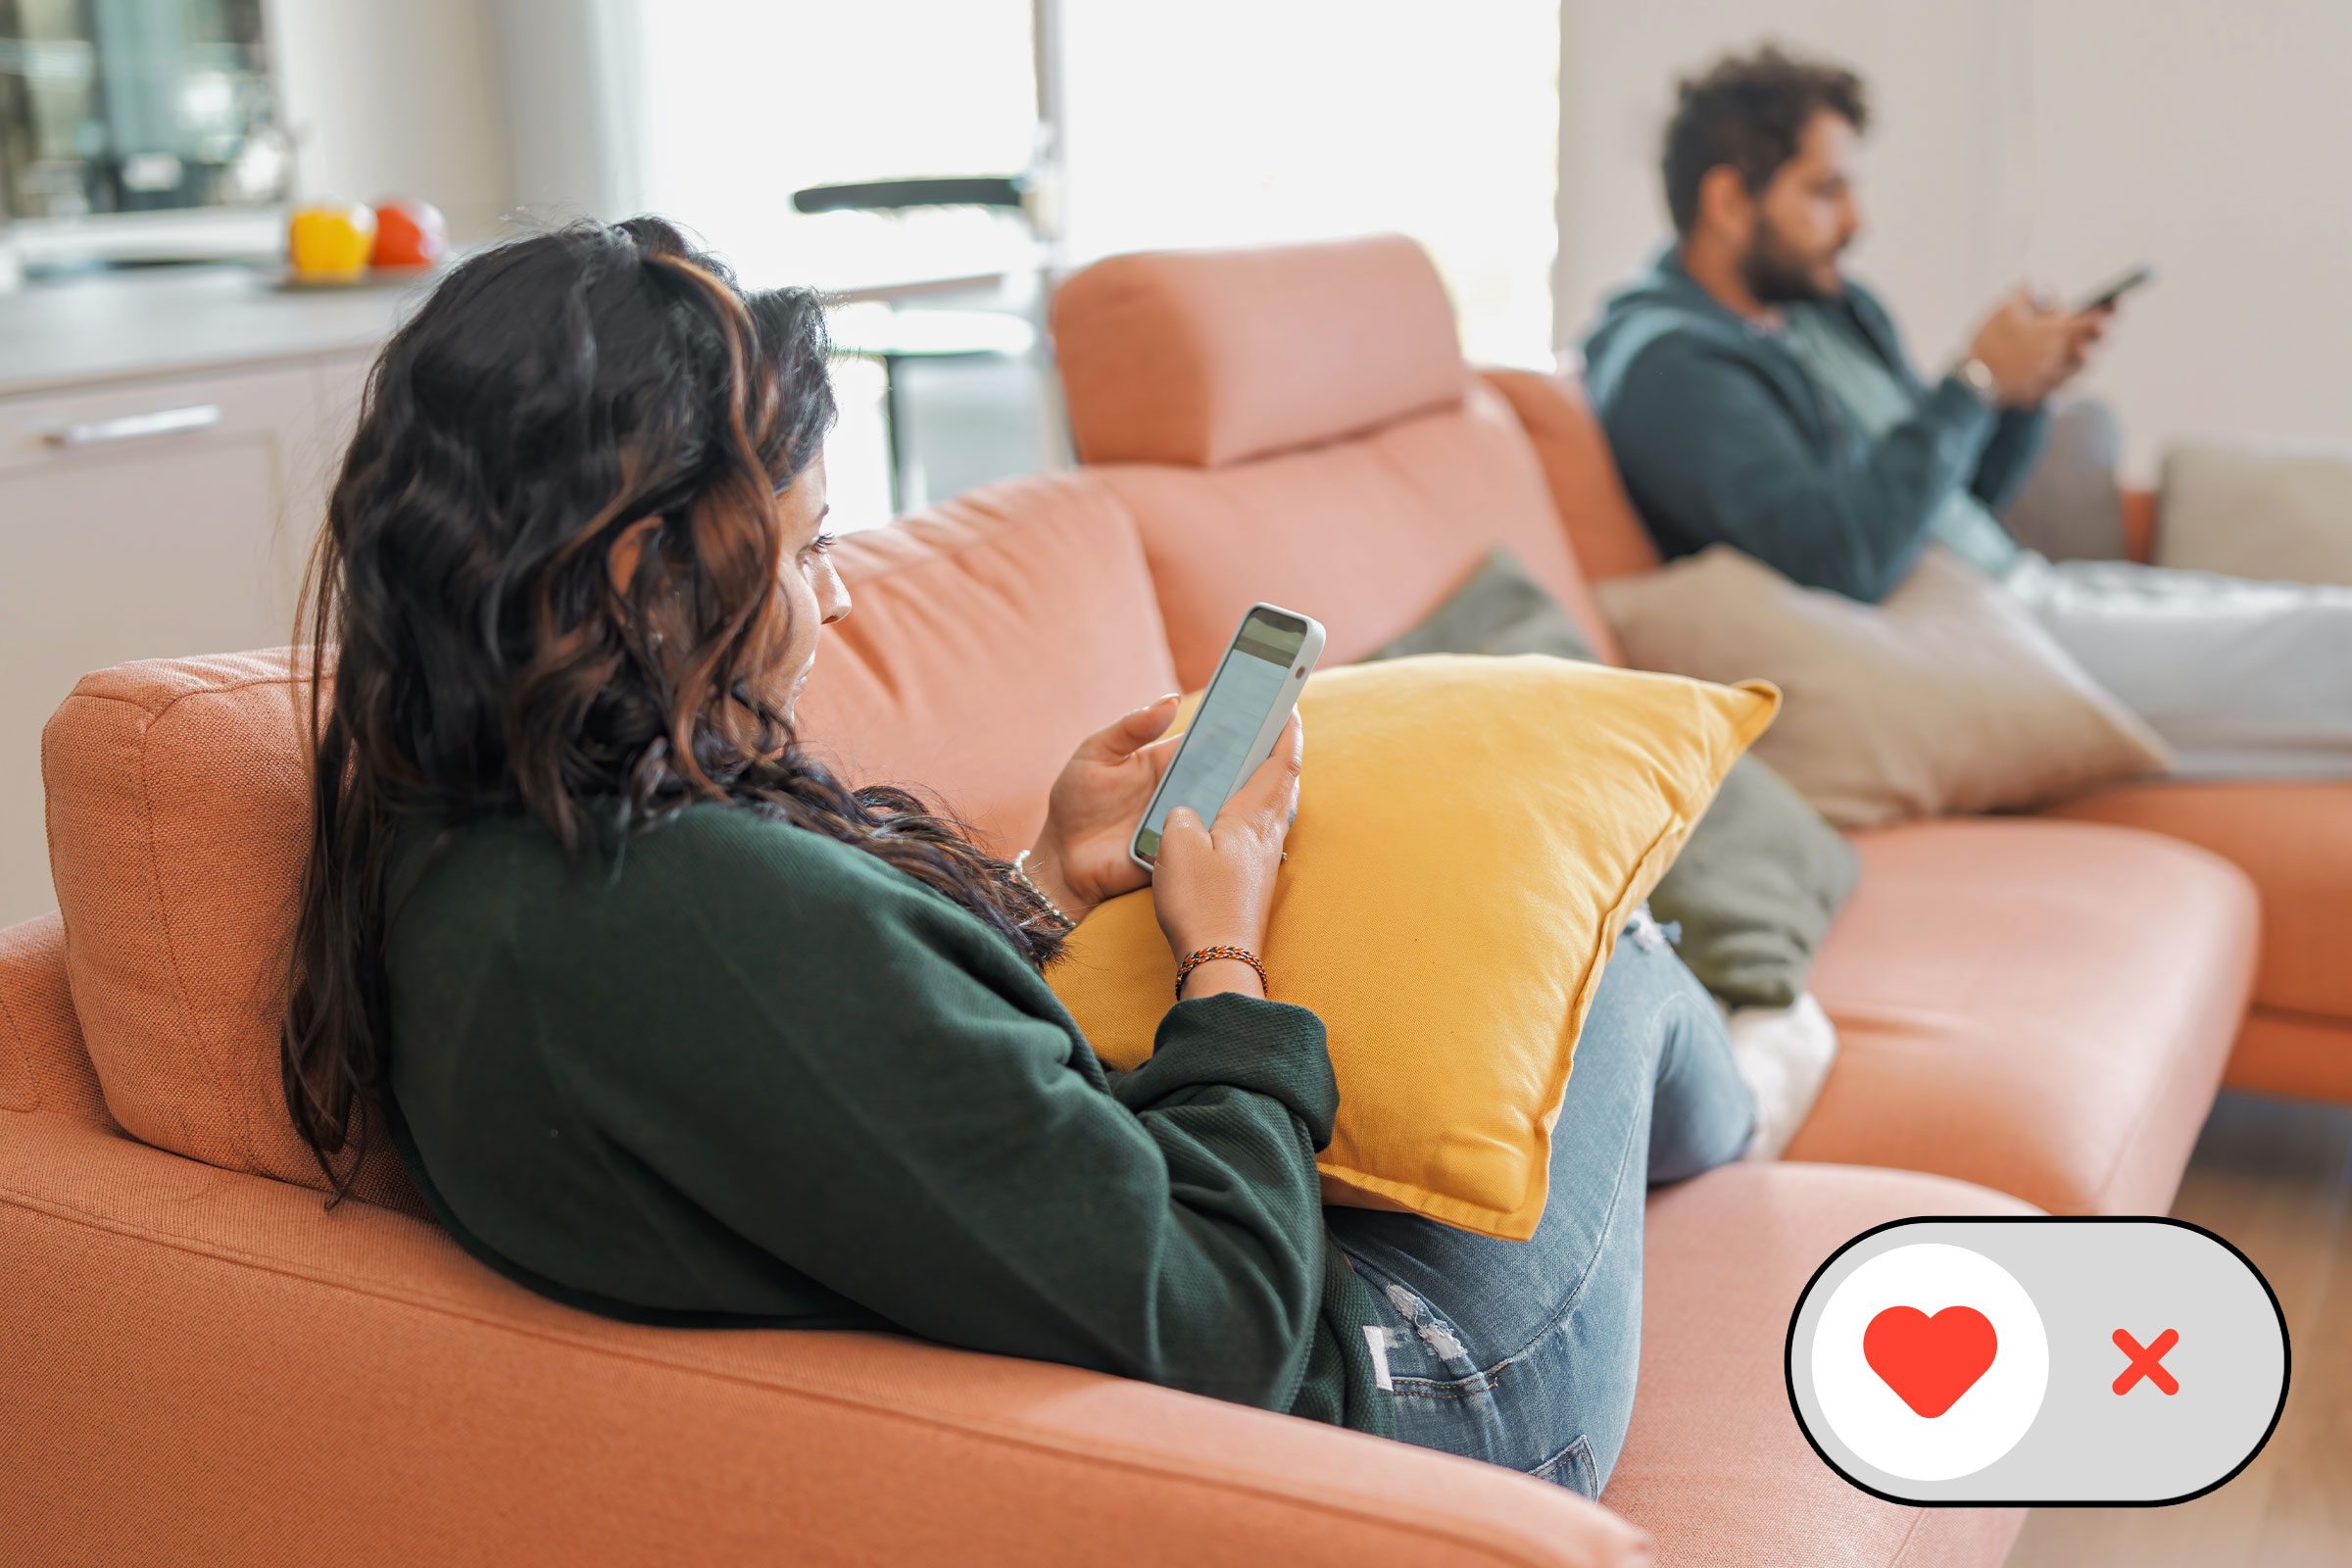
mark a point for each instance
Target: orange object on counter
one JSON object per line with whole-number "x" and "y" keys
{"x": 408, "y": 233}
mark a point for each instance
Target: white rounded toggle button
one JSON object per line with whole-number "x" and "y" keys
{"x": 2037, "y": 1360}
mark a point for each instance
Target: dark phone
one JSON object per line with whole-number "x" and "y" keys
{"x": 2117, "y": 289}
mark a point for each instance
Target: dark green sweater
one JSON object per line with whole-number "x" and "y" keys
{"x": 744, "y": 1074}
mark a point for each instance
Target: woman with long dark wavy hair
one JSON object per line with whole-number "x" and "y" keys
{"x": 668, "y": 1023}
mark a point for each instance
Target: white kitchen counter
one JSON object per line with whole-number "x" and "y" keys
{"x": 125, "y": 326}
{"x": 142, "y": 324}
{"x": 167, "y": 440}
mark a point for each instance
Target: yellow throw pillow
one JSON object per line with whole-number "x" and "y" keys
{"x": 1472, "y": 834}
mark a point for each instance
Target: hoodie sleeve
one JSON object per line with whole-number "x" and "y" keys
{"x": 2018, "y": 434}
{"x": 1709, "y": 447}
{"x": 2016, "y": 446}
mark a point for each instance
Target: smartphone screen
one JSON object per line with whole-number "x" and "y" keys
{"x": 1208, "y": 763}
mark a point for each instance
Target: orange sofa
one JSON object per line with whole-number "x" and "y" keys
{"x": 203, "y": 1364}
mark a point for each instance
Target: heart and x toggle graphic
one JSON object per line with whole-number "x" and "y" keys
{"x": 2126, "y": 1362}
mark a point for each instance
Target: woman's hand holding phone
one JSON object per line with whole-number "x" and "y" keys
{"x": 1081, "y": 856}
{"x": 1214, "y": 885}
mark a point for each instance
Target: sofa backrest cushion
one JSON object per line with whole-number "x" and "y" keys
{"x": 1604, "y": 529}
{"x": 987, "y": 637}
{"x": 178, "y": 816}
{"x": 1207, "y": 358}
{"x": 1336, "y": 457}
{"x": 1368, "y": 535}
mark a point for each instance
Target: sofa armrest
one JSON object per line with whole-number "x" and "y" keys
{"x": 2140, "y": 525}
{"x": 2261, "y": 507}
{"x": 44, "y": 1064}
{"x": 207, "y": 1366}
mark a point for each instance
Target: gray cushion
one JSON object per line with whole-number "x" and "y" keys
{"x": 2070, "y": 507}
{"x": 1762, "y": 874}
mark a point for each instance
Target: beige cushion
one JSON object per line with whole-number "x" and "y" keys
{"x": 2261, "y": 507}
{"x": 2070, "y": 507}
{"x": 1946, "y": 699}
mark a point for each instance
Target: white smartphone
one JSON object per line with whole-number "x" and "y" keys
{"x": 1248, "y": 703}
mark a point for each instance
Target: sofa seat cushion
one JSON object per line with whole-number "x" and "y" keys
{"x": 2294, "y": 838}
{"x": 987, "y": 637}
{"x": 2042, "y": 1008}
{"x": 1714, "y": 1465}
{"x": 1368, "y": 535}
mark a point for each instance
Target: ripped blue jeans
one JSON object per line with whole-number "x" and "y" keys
{"x": 1524, "y": 1354}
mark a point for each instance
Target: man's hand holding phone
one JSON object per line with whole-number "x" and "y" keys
{"x": 2030, "y": 349}
{"x": 1213, "y": 885}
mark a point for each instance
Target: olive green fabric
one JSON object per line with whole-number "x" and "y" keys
{"x": 1762, "y": 875}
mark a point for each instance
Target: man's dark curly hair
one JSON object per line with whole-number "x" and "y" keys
{"x": 1748, "y": 110}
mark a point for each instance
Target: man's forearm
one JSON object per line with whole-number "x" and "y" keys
{"x": 2017, "y": 444}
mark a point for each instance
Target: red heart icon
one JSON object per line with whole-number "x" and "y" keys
{"x": 1928, "y": 1362}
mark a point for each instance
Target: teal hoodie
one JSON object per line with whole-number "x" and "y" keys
{"x": 1723, "y": 437}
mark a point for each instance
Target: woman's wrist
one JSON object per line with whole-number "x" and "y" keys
{"x": 1208, "y": 968}
{"x": 1213, "y": 977}
{"x": 1041, "y": 866}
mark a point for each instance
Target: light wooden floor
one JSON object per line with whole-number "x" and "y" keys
{"x": 2276, "y": 1178}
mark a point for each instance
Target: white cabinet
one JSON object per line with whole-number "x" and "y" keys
{"x": 144, "y": 519}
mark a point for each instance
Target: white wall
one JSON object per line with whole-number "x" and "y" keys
{"x": 394, "y": 99}
{"x": 572, "y": 102}
{"x": 2052, "y": 140}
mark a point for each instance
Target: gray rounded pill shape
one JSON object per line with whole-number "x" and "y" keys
{"x": 2124, "y": 1306}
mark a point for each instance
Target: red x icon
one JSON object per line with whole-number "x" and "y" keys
{"x": 2145, "y": 1359}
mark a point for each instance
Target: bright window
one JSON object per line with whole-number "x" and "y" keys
{"x": 1243, "y": 122}
{"x": 746, "y": 101}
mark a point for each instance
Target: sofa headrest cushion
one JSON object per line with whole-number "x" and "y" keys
{"x": 1208, "y": 357}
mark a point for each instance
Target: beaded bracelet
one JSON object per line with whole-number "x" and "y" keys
{"x": 1196, "y": 960}
{"x": 1020, "y": 874}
